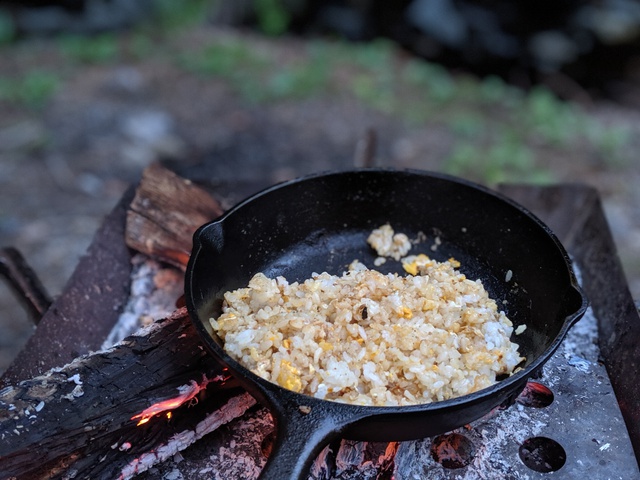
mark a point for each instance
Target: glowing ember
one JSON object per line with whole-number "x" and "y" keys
{"x": 535, "y": 395}
{"x": 187, "y": 394}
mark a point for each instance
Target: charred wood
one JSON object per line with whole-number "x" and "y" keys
{"x": 85, "y": 420}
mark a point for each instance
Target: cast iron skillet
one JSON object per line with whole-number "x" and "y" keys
{"x": 320, "y": 223}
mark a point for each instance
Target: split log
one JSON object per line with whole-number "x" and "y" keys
{"x": 81, "y": 420}
{"x": 164, "y": 214}
{"x": 80, "y": 319}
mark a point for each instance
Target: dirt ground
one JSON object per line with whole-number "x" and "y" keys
{"x": 65, "y": 165}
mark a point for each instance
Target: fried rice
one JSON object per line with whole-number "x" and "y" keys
{"x": 369, "y": 338}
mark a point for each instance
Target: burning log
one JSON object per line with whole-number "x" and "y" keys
{"x": 94, "y": 417}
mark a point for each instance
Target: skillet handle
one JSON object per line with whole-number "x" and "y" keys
{"x": 301, "y": 434}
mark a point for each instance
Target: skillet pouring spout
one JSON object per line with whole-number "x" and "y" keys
{"x": 320, "y": 223}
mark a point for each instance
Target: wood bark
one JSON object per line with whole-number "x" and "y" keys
{"x": 164, "y": 214}
{"x": 79, "y": 420}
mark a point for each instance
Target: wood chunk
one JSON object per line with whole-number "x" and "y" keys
{"x": 164, "y": 214}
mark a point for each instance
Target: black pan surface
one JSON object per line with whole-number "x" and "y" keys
{"x": 321, "y": 223}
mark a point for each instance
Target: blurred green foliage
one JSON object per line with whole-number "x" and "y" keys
{"x": 173, "y": 15}
{"x": 495, "y": 131}
{"x": 230, "y": 59}
{"x": 31, "y": 90}
{"x": 7, "y": 27}
{"x": 101, "y": 48}
{"x": 506, "y": 159}
{"x": 496, "y": 127}
{"x": 234, "y": 61}
{"x": 255, "y": 75}
{"x": 273, "y": 17}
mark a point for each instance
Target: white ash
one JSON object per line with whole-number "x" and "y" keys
{"x": 173, "y": 475}
{"x": 154, "y": 290}
{"x": 508, "y": 276}
{"x": 75, "y": 393}
{"x": 75, "y": 379}
{"x": 437, "y": 241}
{"x": 238, "y": 456}
{"x": 490, "y": 436}
{"x": 361, "y": 460}
{"x": 319, "y": 467}
{"x": 582, "y": 340}
{"x": 235, "y": 461}
{"x": 347, "y": 457}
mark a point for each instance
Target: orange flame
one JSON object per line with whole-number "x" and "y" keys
{"x": 187, "y": 393}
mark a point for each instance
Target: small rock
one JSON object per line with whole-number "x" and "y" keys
{"x": 126, "y": 80}
{"x": 147, "y": 126}
{"x": 151, "y": 136}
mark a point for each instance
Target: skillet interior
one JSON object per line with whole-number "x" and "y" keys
{"x": 321, "y": 224}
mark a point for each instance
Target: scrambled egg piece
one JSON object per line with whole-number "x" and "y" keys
{"x": 289, "y": 377}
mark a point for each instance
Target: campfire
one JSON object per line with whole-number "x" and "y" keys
{"x": 116, "y": 384}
